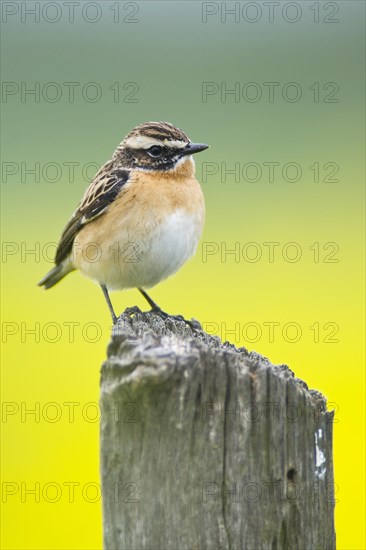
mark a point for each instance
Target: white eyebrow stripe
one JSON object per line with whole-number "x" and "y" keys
{"x": 141, "y": 142}
{"x": 175, "y": 143}
{"x": 144, "y": 142}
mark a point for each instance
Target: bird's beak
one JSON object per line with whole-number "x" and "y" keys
{"x": 193, "y": 148}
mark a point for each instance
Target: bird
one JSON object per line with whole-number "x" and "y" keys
{"x": 140, "y": 219}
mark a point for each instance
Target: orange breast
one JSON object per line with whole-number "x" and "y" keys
{"x": 145, "y": 202}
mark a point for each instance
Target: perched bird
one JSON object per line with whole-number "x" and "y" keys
{"x": 141, "y": 217}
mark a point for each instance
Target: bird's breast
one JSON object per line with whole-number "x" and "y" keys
{"x": 146, "y": 234}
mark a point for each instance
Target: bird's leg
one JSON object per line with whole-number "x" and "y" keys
{"x": 156, "y": 309}
{"x": 151, "y": 302}
{"x": 109, "y": 303}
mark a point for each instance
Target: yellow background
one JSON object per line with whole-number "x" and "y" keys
{"x": 169, "y": 52}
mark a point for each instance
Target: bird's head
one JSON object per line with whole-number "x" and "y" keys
{"x": 156, "y": 146}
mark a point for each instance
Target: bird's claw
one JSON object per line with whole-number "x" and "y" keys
{"x": 194, "y": 325}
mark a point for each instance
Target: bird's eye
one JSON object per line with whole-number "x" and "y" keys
{"x": 155, "y": 150}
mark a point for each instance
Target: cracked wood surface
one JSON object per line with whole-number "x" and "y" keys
{"x": 206, "y": 446}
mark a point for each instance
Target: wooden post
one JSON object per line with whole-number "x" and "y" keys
{"x": 205, "y": 446}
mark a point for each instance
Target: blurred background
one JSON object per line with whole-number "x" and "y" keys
{"x": 277, "y": 91}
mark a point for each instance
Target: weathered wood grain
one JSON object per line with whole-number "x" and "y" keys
{"x": 205, "y": 446}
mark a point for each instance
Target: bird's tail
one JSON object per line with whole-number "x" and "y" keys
{"x": 56, "y": 274}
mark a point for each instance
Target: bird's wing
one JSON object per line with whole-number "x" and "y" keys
{"x": 100, "y": 194}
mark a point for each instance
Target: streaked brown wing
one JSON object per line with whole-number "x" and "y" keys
{"x": 100, "y": 194}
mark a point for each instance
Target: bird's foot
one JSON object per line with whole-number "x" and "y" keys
{"x": 132, "y": 310}
{"x": 193, "y": 324}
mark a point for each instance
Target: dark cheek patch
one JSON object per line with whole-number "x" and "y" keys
{"x": 144, "y": 160}
{"x": 140, "y": 158}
